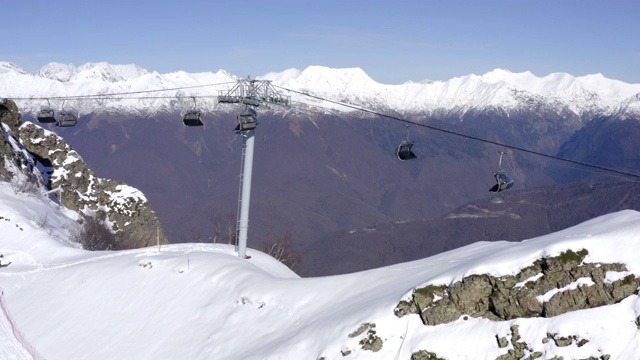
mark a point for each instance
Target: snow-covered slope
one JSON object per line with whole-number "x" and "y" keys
{"x": 132, "y": 85}
{"x": 200, "y": 301}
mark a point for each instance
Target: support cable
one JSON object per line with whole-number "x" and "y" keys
{"x": 124, "y": 96}
{"x": 450, "y": 132}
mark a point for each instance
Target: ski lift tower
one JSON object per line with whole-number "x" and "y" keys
{"x": 251, "y": 93}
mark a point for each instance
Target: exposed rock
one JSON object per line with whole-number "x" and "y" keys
{"x": 371, "y": 342}
{"x": 405, "y": 308}
{"x": 425, "y": 355}
{"x": 127, "y": 211}
{"x": 45, "y": 158}
{"x": 549, "y": 287}
{"x": 519, "y": 348}
{"x": 10, "y": 115}
{"x": 564, "y": 341}
{"x": 502, "y": 341}
{"x": 360, "y": 330}
{"x": 10, "y": 151}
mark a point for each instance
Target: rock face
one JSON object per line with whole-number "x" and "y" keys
{"x": 45, "y": 156}
{"x": 10, "y": 120}
{"x": 549, "y": 287}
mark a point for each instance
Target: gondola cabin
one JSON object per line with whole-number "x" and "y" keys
{"x": 247, "y": 120}
{"x": 67, "y": 119}
{"x": 403, "y": 152}
{"x": 503, "y": 181}
{"x": 46, "y": 116}
{"x": 192, "y": 118}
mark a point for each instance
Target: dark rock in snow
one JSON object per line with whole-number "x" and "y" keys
{"x": 44, "y": 157}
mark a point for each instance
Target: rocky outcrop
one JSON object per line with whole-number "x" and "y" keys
{"x": 46, "y": 157}
{"x": 519, "y": 347}
{"x": 10, "y": 152}
{"x": 370, "y": 341}
{"x": 10, "y": 115}
{"x": 425, "y": 355}
{"x": 549, "y": 287}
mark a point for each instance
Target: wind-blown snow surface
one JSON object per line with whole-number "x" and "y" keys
{"x": 200, "y": 301}
{"x": 127, "y": 88}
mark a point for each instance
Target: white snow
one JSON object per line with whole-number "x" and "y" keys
{"x": 100, "y": 84}
{"x": 200, "y": 301}
{"x": 532, "y": 279}
{"x": 612, "y": 276}
{"x": 574, "y": 285}
{"x": 124, "y": 192}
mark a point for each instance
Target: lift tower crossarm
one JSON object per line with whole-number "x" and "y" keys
{"x": 252, "y": 93}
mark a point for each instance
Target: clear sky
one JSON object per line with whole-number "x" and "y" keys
{"x": 392, "y": 40}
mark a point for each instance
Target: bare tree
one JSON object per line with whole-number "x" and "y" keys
{"x": 27, "y": 184}
{"x": 283, "y": 249}
{"x": 94, "y": 234}
{"x": 224, "y": 229}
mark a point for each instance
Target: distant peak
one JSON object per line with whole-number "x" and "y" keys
{"x": 6, "y": 66}
{"x": 500, "y": 71}
{"x": 318, "y": 68}
{"x": 110, "y": 72}
{"x": 57, "y": 71}
{"x": 346, "y": 75}
{"x": 497, "y": 75}
{"x": 225, "y": 73}
{"x": 282, "y": 76}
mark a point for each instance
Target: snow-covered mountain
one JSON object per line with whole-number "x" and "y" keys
{"x": 128, "y": 88}
{"x": 200, "y": 301}
{"x": 90, "y": 72}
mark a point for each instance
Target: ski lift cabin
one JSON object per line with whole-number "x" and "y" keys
{"x": 46, "y": 116}
{"x": 67, "y": 119}
{"x": 248, "y": 120}
{"x": 503, "y": 181}
{"x": 192, "y": 118}
{"x": 403, "y": 152}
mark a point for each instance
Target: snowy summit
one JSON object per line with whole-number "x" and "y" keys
{"x": 106, "y": 87}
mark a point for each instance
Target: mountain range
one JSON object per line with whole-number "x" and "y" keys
{"x": 501, "y": 88}
{"x": 323, "y": 169}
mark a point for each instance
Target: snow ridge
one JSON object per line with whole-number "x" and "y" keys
{"x": 498, "y": 88}
{"x": 202, "y": 301}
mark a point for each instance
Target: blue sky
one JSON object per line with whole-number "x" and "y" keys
{"x": 393, "y": 41}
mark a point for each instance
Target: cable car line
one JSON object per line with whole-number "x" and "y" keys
{"x": 119, "y": 96}
{"x": 395, "y": 118}
{"x": 110, "y": 96}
